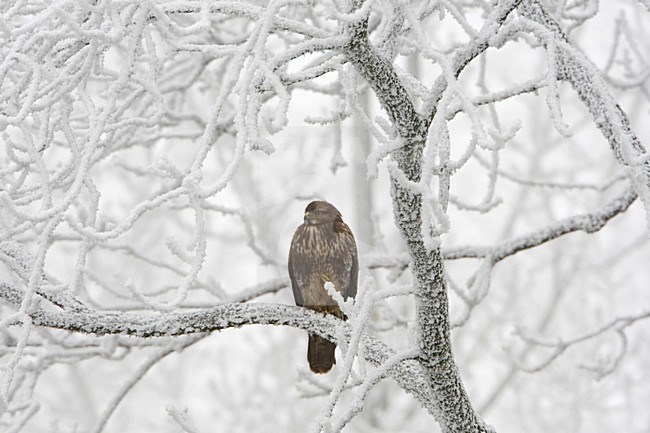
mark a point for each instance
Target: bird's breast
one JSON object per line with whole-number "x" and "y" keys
{"x": 315, "y": 242}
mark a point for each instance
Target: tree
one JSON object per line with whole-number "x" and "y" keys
{"x": 154, "y": 168}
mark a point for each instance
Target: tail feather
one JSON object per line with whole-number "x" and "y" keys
{"x": 320, "y": 354}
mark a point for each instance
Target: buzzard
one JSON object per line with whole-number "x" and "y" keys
{"x": 322, "y": 250}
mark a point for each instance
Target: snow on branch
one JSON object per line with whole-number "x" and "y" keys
{"x": 182, "y": 418}
{"x": 247, "y": 10}
{"x": 407, "y": 373}
{"x": 465, "y": 54}
{"x": 410, "y": 209}
{"x": 588, "y": 223}
{"x": 559, "y": 346}
{"x": 129, "y": 127}
{"x": 572, "y": 66}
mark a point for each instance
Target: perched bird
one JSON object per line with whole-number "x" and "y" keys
{"x": 322, "y": 250}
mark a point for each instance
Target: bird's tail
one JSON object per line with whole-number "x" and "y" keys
{"x": 320, "y": 354}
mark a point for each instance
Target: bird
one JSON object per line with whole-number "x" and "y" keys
{"x": 322, "y": 250}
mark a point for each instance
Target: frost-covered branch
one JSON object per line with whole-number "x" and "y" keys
{"x": 407, "y": 373}
{"x": 558, "y": 346}
{"x": 588, "y": 223}
{"x": 157, "y": 155}
{"x": 455, "y": 411}
{"x": 571, "y": 65}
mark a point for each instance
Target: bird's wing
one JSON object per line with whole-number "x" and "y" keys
{"x": 297, "y": 295}
{"x": 349, "y": 265}
{"x": 354, "y": 274}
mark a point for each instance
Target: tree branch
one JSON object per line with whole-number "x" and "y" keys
{"x": 408, "y": 374}
{"x": 589, "y": 223}
{"x": 573, "y": 67}
{"x": 455, "y": 412}
{"x": 251, "y": 11}
{"x": 462, "y": 57}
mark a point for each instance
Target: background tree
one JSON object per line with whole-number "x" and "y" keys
{"x": 157, "y": 156}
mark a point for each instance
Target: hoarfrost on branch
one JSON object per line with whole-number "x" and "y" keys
{"x": 155, "y": 157}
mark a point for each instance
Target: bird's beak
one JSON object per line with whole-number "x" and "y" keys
{"x": 307, "y": 214}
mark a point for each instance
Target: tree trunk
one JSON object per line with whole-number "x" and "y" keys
{"x": 455, "y": 412}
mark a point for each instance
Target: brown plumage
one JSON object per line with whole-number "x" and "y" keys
{"x": 323, "y": 249}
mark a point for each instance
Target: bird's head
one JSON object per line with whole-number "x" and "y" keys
{"x": 320, "y": 212}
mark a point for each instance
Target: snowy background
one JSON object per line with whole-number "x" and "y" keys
{"x": 156, "y": 157}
